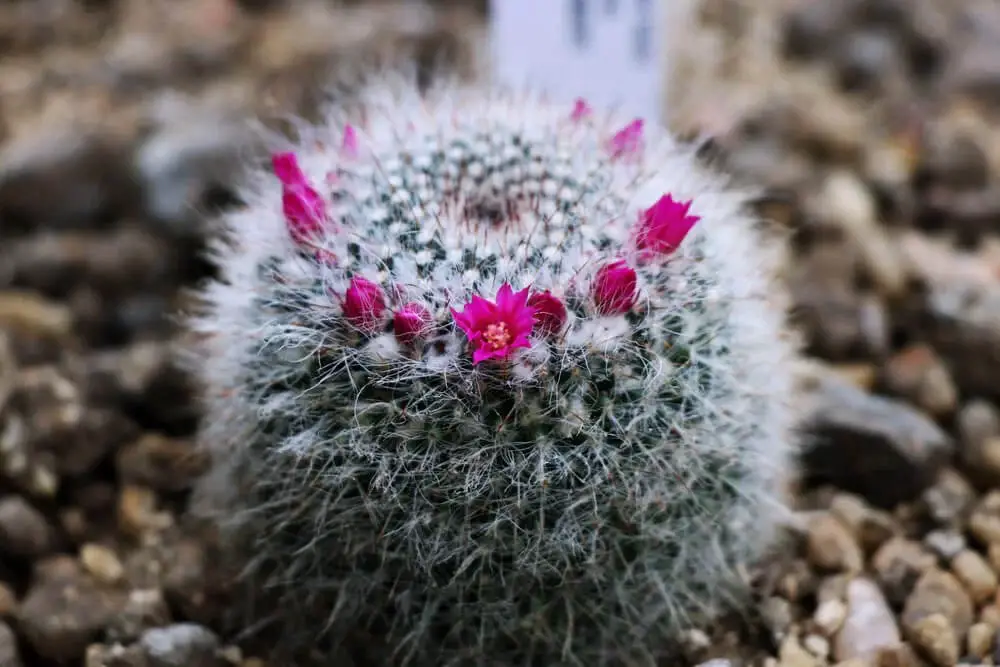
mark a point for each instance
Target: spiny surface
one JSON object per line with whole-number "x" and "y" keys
{"x": 579, "y": 438}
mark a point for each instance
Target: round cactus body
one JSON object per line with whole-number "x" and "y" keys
{"x": 499, "y": 381}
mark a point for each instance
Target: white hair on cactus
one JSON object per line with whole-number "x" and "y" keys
{"x": 475, "y": 377}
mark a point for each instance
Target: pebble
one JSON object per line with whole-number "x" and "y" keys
{"x": 981, "y": 639}
{"x": 145, "y": 609}
{"x": 817, "y": 645}
{"x": 984, "y": 523}
{"x": 180, "y": 645}
{"x": 792, "y": 654}
{"x": 778, "y": 616}
{"x": 918, "y": 375}
{"x": 871, "y": 527}
{"x": 10, "y": 655}
{"x": 65, "y": 610}
{"x": 938, "y": 592}
{"x": 24, "y": 531}
{"x": 102, "y": 563}
{"x": 160, "y": 463}
{"x": 869, "y": 624}
{"x": 137, "y": 513}
{"x": 873, "y": 446}
{"x": 973, "y": 571}
{"x": 945, "y": 543}
{"x": 949, "y": 498}
{"x": 934, "y": 637}
{"x": 898, "y": 565}
{"x": 829, "y": 616}
{"x": 979, "y": 438}
{"x": 830, "y": 545}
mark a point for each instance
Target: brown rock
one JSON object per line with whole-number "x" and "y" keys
{"x": 973, "y": 571}
{"x": 935, "y": 637}
{"x": 144, "y": 609}
{"x": 876, "y": 447}
{"x": 981, "y": 638}
{"x": 898, "y": 565}
{"x": 984, "y": 522}
{"x": 831, "y": 546}
{"x": 65, "y": 610}
{"x": 918, "y": 375}
{"x": 137, "y": 513}
{"x": 938, "y": 592}
{"x": 10, "y": 655}
{"x": 869, "y": 526}
{"x": 161, "y": 463}
{"x": 979, "y": 428}
{"x": 102, "y": 563}
{"x": 24, "y": 531}
{"x": 869, "y": 626}
{"x": 792, "y": 654}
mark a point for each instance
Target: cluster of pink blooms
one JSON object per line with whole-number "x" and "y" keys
{"x": 494, "y": 329}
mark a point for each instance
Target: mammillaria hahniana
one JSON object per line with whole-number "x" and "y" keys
{"x": 499, "y": 381}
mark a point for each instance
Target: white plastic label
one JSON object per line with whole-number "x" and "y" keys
{"x": 610, "y": 52}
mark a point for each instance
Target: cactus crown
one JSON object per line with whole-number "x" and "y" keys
{"x": 503, "y": 378}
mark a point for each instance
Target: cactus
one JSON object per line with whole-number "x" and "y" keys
{"x": 500, "y": 381}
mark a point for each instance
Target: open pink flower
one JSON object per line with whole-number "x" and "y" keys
{"x": 410, "y": 322}
{"x": 614, "y": 289}
{"x": 495, "y": 330}
{"x": 550, "y": 313}
{"x": 364, "y": 304}
{"x": 664, "y": 225}
{"x": 581, "y": 110}
{"x": 628, "y": 140}
{"x": 305, "y": 211}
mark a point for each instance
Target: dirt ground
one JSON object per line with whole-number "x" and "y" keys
{"x": 869, "y": 126}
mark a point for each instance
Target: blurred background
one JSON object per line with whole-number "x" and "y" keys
{"x": 868, "y": 127}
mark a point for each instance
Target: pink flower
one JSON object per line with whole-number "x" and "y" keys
{"x": 663, "y": 226}
{"x": 304, "y": 209}
{"x": 581, "y": 110}
{"x": 364, "y": 304}
{"x": 614, "y": 288}
{"x": 495, "y": 330}
{"x": 627, "y": 140}
{"x": 550, "y": 313}
{"x": 410, "y": 322}
{"x": 349, "y": 146}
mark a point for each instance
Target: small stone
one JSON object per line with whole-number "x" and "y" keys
{"x": 973, "y": 571}
{"x": 715, "y": 662}
{"x": 945, "y": 543}
{"x": 990, "y": 614}
{"x": 65, "y": 610}
{"x": 102, "y": 563}
{"x": 145, "y": 609}
{"x": 938, "y": 592}
{"x": 870, "y": 527}
{"x": 869, "y": 626}
{"x": 161, "y": 463}
{"x": 797, "y": 582}
{"x": 777, "y": 616}
{"x": 829, "y": 616}
{"x": 874, "y": 446}
{"x": 10, "y": 655}
{"x": 984, "y": 523}
{"x": 180, "y": 645}
{"x": 137, "y": 514}
{"x": 817, "y": 645}
{"x": 898, "y": 565}
{"x": 935, "y": 637}
{"x": 792, "y": 654}
{"x": 949, "y": 498}
{"x": 900, "y": 655}
{"x": 831, "y": 546}
{"x": 918, "y": 375}
{"x": 24, "y": 531}
{"x": 980, "y": 639}
{"x": 979, "y": 429}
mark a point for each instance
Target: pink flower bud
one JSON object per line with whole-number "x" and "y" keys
{"x": 614, "y": 289}
{"x": 581, "y": 110}
{"x": 410, "y": 322}
{"x": 550, "y": 313}
{"x": 364, "y": 304}
{"x": 305, "y": 211}
{"x": 664, "y": 225}
{"x": 628, "y": 140}
{"x": 349, "y": 146}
